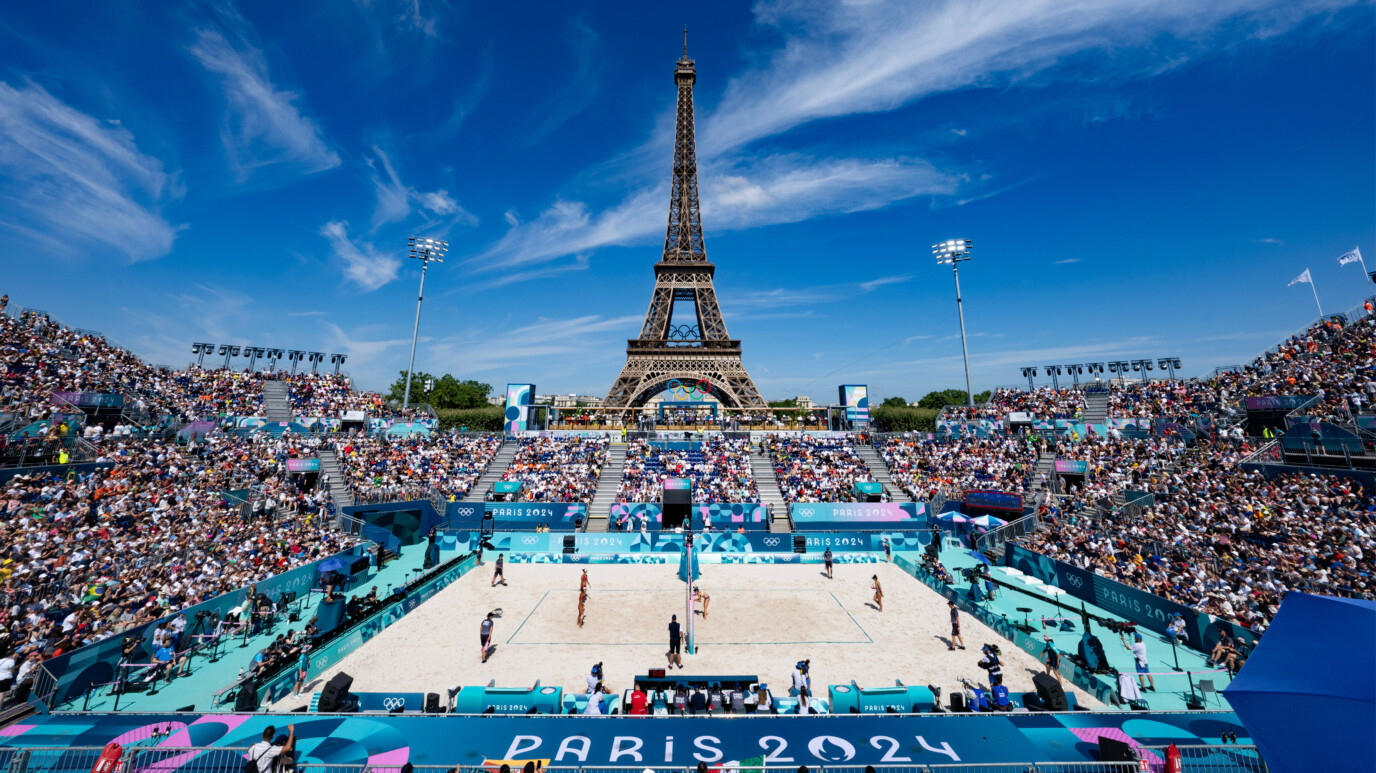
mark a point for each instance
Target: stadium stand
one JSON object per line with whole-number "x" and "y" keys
{"x": 558, "y": 469}
{"x": 718, "y": 467}
{"x": 813, "y": 469}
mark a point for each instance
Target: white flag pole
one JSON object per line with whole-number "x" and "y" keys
{"x": 1316, "y": 295}
{"x": 1362, "y": 263}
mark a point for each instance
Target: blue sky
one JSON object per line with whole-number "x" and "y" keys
{"x": 1140, "y": 178}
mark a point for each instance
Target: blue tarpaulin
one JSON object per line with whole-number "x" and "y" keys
{"x": 1307, "y": 695}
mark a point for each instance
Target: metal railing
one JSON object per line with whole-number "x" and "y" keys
{"x": 1227, "y": 758}
{"x": 994, "y": 539}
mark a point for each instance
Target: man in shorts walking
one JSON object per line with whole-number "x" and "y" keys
{"x": 497, "y": 572}
{"x": 827, "y": 558}
{"x": 485, "y": 635}
{"x": 675, "y": 634}
{"x": 955, "y": 627}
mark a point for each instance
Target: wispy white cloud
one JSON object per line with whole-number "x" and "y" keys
{"x": 753, "y": 192}
{"x": 545, "y": 342}
{"x": 884, "y": 280}
{"x": 263, "y": 126}
{"x": 1064, "y": 261}
{"x": 1271, "y": 240}
{"x": 75, "y": 181}
{"x": 577, "y": 94}
{"x": 394, "y": 198}
{"x": 866, "y": 57}
{"x": 869, "y": 57}
{"x": 363, "y": 264}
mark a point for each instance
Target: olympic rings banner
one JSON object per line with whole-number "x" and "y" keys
{"x": 696, "y": 391}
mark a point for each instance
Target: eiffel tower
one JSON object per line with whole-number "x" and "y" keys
{"x": 698, "y": 354}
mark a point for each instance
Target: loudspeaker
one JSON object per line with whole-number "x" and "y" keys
{"x": 334, "y": 692}
{"x": 186, "y": 709}
{"x": 1113, "y": 750}
{"x": 568, "y": 543}
{"x": 678, "y": 508}
{"x": 1050, "y": 693}
{"x": 432, "y": 703}
{"x": 799, "y": 543}
{"x": 359, "y": 565}
{"x": 247, "y": 699}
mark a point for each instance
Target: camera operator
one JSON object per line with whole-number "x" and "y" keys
{"x": 990, "y": 663}
{"x": 802, "y": 680}
{"x": 594, "y": 678}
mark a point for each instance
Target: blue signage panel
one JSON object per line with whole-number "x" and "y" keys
{"x": 1072, "y": 467}
{"x": 676, "y": 741}
{"x": 1145, "y": 609}
{"x": 851, "y": 515}
{"x": 518, "y": 515}
{"x": 993, "y": 500}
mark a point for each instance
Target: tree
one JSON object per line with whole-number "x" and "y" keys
{"x": 448, "y": 392}
{"x": 894, "y": 402}
{"x": 940, "y": 399}
{"x": 791, "y": 402}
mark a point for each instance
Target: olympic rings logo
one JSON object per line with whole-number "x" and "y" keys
{"x": 696, "y": 391}
{"x": 393, "y": 703}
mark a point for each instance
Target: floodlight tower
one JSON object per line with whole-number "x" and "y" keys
{"x": 316, "y": 358}
{"x": 1120, "y": 367}
{"x": 1053, "y": 371}
{"x": 1169, "y": 364}
{"x": 1143, "y": 366}
{"x": 229, "y": 351}
{"x": 1075, "y": 372}
{"x": 296, "y": 356}
{"x": 425, "y": 250}
{"x": 254, "y": 352}
{"x": 201, "y": 350}
{"x": 1031, "y": 373}
{"x": 953, "y": 251}
{"x": 338, "y": 360}
{"x": 273, "y": 356}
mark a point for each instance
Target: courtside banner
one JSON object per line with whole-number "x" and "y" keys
{"x": 849, "y": 515}
{"x": 782, "y": 742}
{"x": 520, "y": 515}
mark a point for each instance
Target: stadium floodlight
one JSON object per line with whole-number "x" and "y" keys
{"x": 424, "y": 249}
{"x": 316, "y": 358}
{"x": 1143, "y": 366}
{"x": 1120, "y": 367}
{"x": 201, "y": 350}
{"x": 1031, "y": 373}
{"x": 338, "y": 360}
{"x": 254, "y": 352}
{"x": 1053, "y": 371}
{"x": 229, "y": 351}
{"x": 953, "y": 251}
{"x": 1075, "y": 372}
{"x": 1169, "y": 364}
{"x": 296, "y": 356}
{"x": 273, "y": 356}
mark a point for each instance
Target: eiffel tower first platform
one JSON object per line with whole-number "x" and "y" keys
{"x": 700, "y": 353}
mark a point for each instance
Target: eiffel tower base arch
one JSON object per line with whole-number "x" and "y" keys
{"x": 645, "y": 376}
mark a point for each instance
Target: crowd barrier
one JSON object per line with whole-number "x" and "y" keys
{"x": 750, "y": 515}
{"x": 66, "y": 677}
{"x": 671, "y": 544}
{"x": 1146, "y": 609}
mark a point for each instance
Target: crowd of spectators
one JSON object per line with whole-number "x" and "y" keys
{"x": 383, "y": 468}
{"x": 955, "y": 464}
{"x": 1225, "y": 540}
{"x": 84, "y": 556}
{"x": 816, "y": 469}
{"x": 558, "y": 469}
{"x": 331, "y": 395}
{"x": 719, "y": 468}
{"x": 1042, "y": 403}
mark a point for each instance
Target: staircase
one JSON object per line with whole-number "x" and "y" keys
{"x": 494, "y": 470}
{"x": 1046, "y": 465}
{"x": 276, "y": 401}
{"x": 339, "y": 493}
{"x": 599, "y": 512}
{"x": 1096, "y": 408}
{"x": 762, "y": 467}
{"x": 879, "y": 469}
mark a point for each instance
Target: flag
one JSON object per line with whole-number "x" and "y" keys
{"x": 1355, "y": 256}
{"x": 1301, "y": 279}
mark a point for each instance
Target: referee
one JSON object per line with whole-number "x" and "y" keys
{"x": 955, "y": 627}
{"x": 675, "y": 635}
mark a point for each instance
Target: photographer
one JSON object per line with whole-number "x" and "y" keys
{"x": 802, "y": 680}
{"x": 990, "y": 663}
{"x": 594, "y": 678}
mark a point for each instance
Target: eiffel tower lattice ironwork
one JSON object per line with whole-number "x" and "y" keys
{"x": 695, "y": 354}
